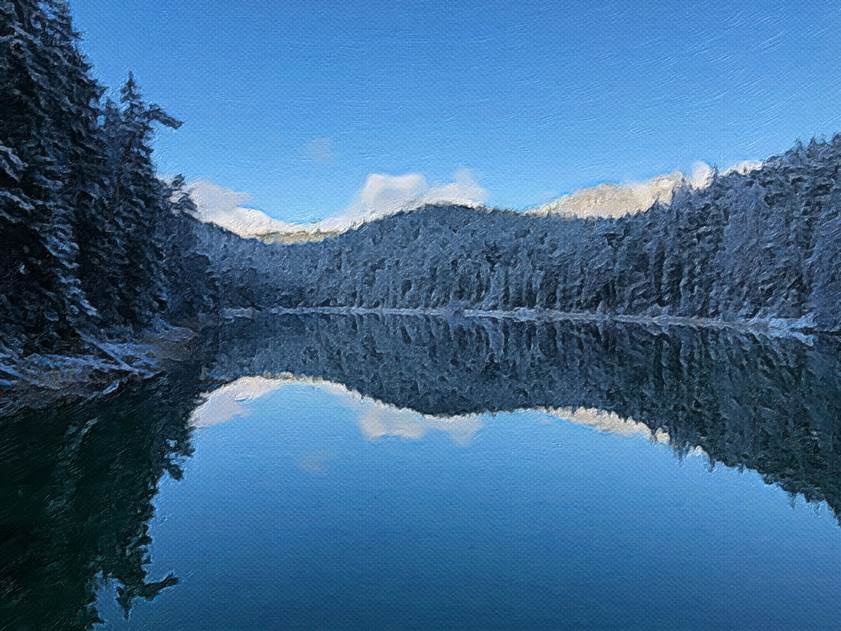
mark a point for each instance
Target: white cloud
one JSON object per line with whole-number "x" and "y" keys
{"x": 464, "y": 190}
{"x": 214, "y": 197}
{"x": 232, "y": 399}
{"x": 381, "y": 420}
{"x": 381, "y": 195}
{"x": 224, "y": 207}
{"x": 384, "y": 195}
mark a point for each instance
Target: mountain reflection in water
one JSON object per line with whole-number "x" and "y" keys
{"x": 376, "y": 419}
{"x": 768, "y": 404}
{"x": 78, "y": 483}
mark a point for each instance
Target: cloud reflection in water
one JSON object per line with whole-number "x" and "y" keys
{"x": 376, "y": 420}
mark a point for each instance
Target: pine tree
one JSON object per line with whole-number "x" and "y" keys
{"x": 140, "y": 205}
{"x": 90, "y": 238}
{"x": 191, "y": 288}
{"x": 37, "y": 245}
{"x": 85, "y": 158}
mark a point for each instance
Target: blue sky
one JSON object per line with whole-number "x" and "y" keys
{"x": 296, "y": 103}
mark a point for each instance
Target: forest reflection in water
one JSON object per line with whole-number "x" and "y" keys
{"x": 79, "y": 483}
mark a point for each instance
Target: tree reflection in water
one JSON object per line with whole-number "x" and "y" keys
{"x": 77, "y": 488}
{"x": 77, "y": 483}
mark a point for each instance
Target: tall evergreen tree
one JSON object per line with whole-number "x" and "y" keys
{"x": 85, "y": 224}
{"x": 191, "y": 287}
{"x": 140, "y": 204}
{"x": 41, "y": 294}
{"x": 85, "y": 156}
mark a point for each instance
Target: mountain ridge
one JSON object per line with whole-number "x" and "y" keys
{"x": 607, "y": 199}
{"x": 757, "y": 245}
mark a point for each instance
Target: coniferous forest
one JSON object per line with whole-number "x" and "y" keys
{"x": 758, "y": 247}
{"x": 93, "y": 244}
{"x": 295, "y": 426}
{"x": 96, "y": 248}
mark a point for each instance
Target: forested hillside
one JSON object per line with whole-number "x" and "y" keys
{"x": 93, "y": 245}
{"x": 756, "y": 245}
{"x": 96, "y": 247}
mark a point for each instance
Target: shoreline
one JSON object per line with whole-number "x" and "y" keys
{"x": 800, "y": 328}
{"x": 42, "y": 380}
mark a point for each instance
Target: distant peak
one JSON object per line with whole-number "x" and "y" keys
{"x": 615, "y": 200}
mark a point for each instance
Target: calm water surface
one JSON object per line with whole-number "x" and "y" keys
{"x": 336, "y": 472}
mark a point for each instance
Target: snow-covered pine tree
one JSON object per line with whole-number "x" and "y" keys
{"x": 85, "y": 164}
{"x": 42, "y": 300}
{"x": 191, "y": 287}
{"x": 141, "y": 205}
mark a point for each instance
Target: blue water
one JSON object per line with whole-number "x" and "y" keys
{"x": 291, "y": 514}
{"x": 390, "y": 472}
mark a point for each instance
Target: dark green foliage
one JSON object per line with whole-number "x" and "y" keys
{"x": 85, "y": 223}
{"x": 76, "y": 499}
{"x": 762, "y": 245}
{"x": 38, "y": 254}
{"x": 140, "y": 203}
{"x": 193, "y": 291}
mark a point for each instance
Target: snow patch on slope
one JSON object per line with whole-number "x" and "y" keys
{"x": 380, "y": 196}
{"x": 384, "y": 194}
{"x": 615, "y": 200}
{"x": 224, "y": 207}
{"x": 608, "y": 422}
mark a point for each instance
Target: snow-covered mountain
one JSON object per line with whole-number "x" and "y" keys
{"x": 250, "y": 222}
{"x": 753, "y": 246}
{"x": 224, "y": 207}
{"x": 382, "y": 195}
{"x": 615, "y": 200}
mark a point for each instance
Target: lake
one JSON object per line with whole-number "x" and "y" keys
{"x": 350, "y": 471}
